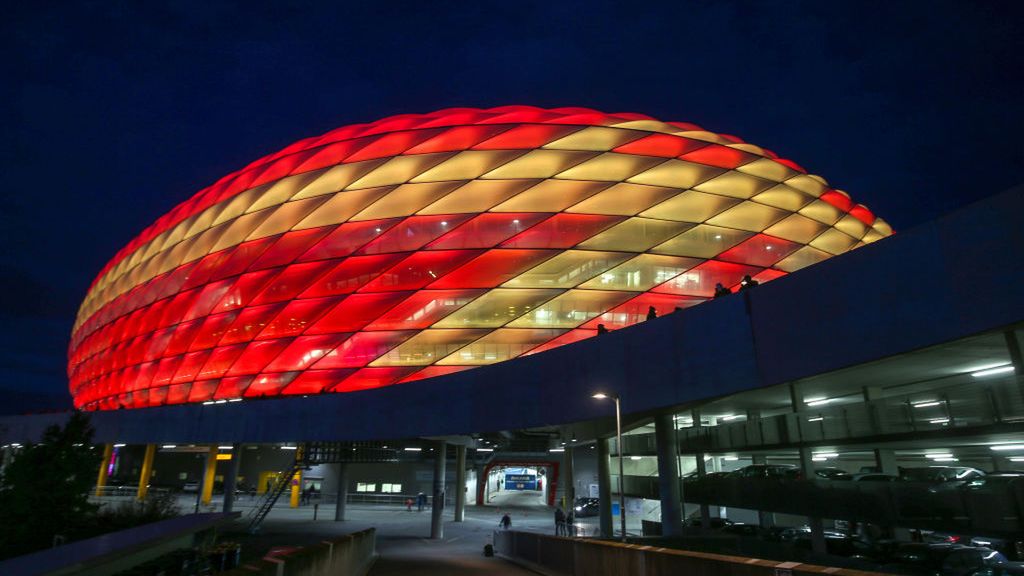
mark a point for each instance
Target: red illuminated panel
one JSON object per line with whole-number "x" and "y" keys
{"x": 768, "y": 275}
{"x": 316, "y": 381}
{"x": 373, "y": 378}
{"x": 293, "y": 280}
{"x": 529, "y": 136}
{"x": 212, "y": 330}
{"x": 838, "y": 200}
{"x": 220, "y": 361}
{"x": 720, "y": 156}
{"x": 486, "y": 230}
{"x": 356, "y": 311}
{"x": 304, "y": 351}
{"x": 431, "y": 371}
{"x": 348, "y": 238}
{"x": 351, "y": 274}
{"x": 761, "y": 250}
{"x": 290, "y": 246}
{"x": 457, "y": 138}
{"x": 413, "y": 233}
{"x": 567, "y": 338}
{"x": 493, "y": 268}
{"x": 362, "y": 348}
{"x": 250, "y": 323}
{"x": 423, "y": 309}
{"x": 245, "y": 288}
{"x": 419, "y": 269}
{"x": 700, "y": 281}
{"x": 257, "y": 355}
{"x": 391, "y": 144}
{"x": 562, "y": 231}
{"x": 296, "y": 317}
{"x": 860, "y": 212}
{"x": 242, "y": 256}
{"x": 202, "y": 391}
{"x": 269, "y": 384}
{"x": 190, "y": 366}
{"x": 662, "y": 145}
{"x": 233, "y": 387}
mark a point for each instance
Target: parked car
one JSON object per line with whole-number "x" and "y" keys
{"x": 716, "y": 523}
{"x": 767, "y": 471}
{"x": 874, "y": 477}
{"x": 1008, "y": 569}
{"x": 741, "y": 529}
{"x": 190, "y": 487}
{"x": 943, "y": 559}
{"x": 584, "y": 507}
{"x": 940, "y": 474}
{"x": 832, "y": 473}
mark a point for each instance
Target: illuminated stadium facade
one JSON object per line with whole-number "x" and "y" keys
{"x": 422, "y": 245}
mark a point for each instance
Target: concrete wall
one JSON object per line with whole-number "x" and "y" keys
{"x": 351, "y": 555}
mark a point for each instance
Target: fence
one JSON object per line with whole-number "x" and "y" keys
{"x": 576, "y": 557}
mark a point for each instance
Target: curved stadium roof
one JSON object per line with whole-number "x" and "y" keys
{"x": 421, "y": 245}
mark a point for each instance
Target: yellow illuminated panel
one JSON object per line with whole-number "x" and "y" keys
{"x": 635, "y": 235}
{"x": 500, "y": 345}
{"x": 703, "y": 241}
{"x": 571, "y": 309}
{"x": 568, "y": 269}
{"x": 428, "y": 347}
{"x": 624, "y": 199}
{"x": 691, "y": 206}
{"x": 642, "y": 273}
{"x": 497, "y": 308}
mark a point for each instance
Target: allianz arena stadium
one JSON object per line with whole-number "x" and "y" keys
{"x": 425, "y": 244}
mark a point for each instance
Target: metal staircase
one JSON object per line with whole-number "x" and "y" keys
{"x": 259, "y": 513}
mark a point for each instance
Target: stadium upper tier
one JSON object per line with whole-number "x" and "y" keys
{"x": 421, "y": 245}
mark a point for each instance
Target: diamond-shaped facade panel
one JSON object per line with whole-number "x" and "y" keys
{"x": 423, "y": 245}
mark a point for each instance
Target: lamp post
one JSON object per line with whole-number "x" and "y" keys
{"x": 618, "y": 442}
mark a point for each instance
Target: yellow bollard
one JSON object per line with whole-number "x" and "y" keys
{"x": 209, "y": 473}
{"x": 147, "y": 471}
{"x": 101, "y": 480}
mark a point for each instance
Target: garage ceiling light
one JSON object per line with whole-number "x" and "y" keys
{"x": 1001, "y": 447}
{"x": 992, "y": 371}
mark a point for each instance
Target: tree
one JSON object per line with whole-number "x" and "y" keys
{"x": 44, "y": 491}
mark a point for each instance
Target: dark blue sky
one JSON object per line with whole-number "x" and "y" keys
{"x": 116, "y": 111}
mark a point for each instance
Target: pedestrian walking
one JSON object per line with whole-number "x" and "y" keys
{"x": 505, "y": 522}
{"x": 747, "y": 283}
{"x": 651, "y": 313}
{"x": 408, "y": 504}
{"x": 570, "y": 524}
{"x": 559, "y": 522}
{"x": 721, "y": 291}
{"x": 421, "y": 501}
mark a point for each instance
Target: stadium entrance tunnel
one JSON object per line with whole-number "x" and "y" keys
{"x": 519, "y": 484}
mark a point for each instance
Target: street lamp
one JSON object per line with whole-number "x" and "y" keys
{"x": 618, "y": 442}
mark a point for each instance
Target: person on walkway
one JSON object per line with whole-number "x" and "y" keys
{"x": 559, "y": 522}
{"x": 601, "y": 329}
{"x": 421, "y": 501}
{"x": 570, "y": 524}
{"x": 651, "y": 313}
{"x": 505, "y": 522}
{"x": 408, "y": 504}
{"x": 747, "y": 283}
{"x": 721, "y": 291}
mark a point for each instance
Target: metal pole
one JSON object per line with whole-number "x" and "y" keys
{"x": 622, "y": 494}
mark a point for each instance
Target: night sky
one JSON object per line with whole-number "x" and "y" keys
{"x": 114, "y": 112}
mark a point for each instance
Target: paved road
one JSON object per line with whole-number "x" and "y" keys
{"x": 402, "y": 536}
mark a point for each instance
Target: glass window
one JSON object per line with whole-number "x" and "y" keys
{"x": 571, "y": 309}
{"x": 701, "y": 280}
{"x": 761, "y": 250}
{"x": 497, "y": 307}
{"x": 365, "y": 487}
{"x": 568, "y": 269}
{"x": 486, "y": 230}
{"x": 419, "y": 269}
{"x": 641, "y": 273}
{"x": 362, "y": 348}
{"x": 424, "y": 308}
{"x": 500, "y": 345}
{"x": 428, "y": 347}
{"x": 493, "y": 268}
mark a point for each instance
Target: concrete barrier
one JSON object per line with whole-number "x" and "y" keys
{"x": 557, "y": 555}
{"x": 348, "y": 555}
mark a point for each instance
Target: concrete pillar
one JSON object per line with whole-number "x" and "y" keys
{"x": 460, "y": 483}
{"x": 209, "y": 472}
{"x": 481, "y": 485}
{"x": 885, "y": 460}
{"x": 604, "y": 487}
{"x": 231, "y": 479}
{"x": 569, "y": 482}
{"x": 765, "y": 518}
{"x": 101, "y": 478}
{"x": 668, "y": 475}
{"x": 147, "y": 471}
{"x": 705, "y": 508}
{"x": 437, "y": 504}
{"x": 817, "y": 527}
{"x": 339, "y": 506}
